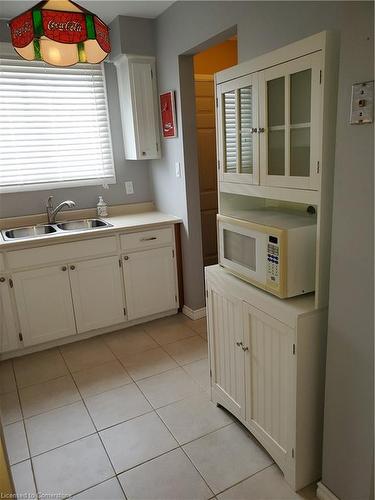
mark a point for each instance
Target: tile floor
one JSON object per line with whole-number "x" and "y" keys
{"x": 128, "y": 415}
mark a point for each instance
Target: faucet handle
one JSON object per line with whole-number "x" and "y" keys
{"x": 49, "y": 201}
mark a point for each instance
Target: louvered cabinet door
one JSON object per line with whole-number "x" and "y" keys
{"x": 238, "y": 135}
{"x": 270, "y": 388}
{"x": 226, "y": 353}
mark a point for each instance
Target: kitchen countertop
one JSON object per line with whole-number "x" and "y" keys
{"x": 124, "y": 218}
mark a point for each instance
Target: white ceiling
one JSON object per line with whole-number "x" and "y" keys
{"x": 105, "y": 9}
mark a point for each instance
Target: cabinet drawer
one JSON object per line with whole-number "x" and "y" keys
{"x": 147, "y": 239}
{"x": 65, "y": 252}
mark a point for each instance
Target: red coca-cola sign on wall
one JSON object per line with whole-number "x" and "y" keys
{"x": 22, "y": 30}
{"x": 64, "y": 27}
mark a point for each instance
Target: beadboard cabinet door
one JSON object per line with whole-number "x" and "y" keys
{"x": 226, "y": 350}
{"x": 269, "y": 362}
{"x": 150, "y": 282}
{"x": 44, "y": 303}
{"x": 97, "y": 293}
{"x": 8, "y": 327}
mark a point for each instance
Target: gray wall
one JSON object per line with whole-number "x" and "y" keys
{"x": 32, "y": 202}
{"x": 261, "y": 27}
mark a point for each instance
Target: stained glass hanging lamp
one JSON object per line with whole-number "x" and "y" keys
{"x": 61, "y": 33}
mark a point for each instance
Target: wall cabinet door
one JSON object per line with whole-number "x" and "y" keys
{"x": 289, "y": 116}
{"x": 238, "y": 130}
{"x": 44, "y": 304}
{"x": 269, "y": 369}
{"x": 226, "y": 349}
{"x": 150, "y": 283}
{"x": 8, "y": 326}
{"x": 97, "y": 293}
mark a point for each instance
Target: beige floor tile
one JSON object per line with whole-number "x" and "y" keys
{"x": 198, "y": 325}
{"x": 268, "y": 484}
{"x": 101, "y": 378}
{"x": 85, "y": 354}
{"x": 7, "y": 380}
{"x": 169, "y": 477}
{"x": 193, "y": 417}
{"x": 188, "y": 350}
{"x": 109, "y": 490}
{"x": 227, "y": 456}
{"x": 73, "y": 467}
{"x": 148, "y": 363}
{"x": 168, "y": 330}
{"x": 58, "y": 427}
{"x": 129, "y": 340}
{"x": 136, "y": 441}
{"x": 39, "y": 367}
{"x": 10, "y": 409}
{"x": 39, "y": 398}
{"x": 200, "y": 372}
{"x": 23, "y": 480}
{"x": 168, "y": 387}
{"x": 15, "y": 441}
{"x": 118, "y": 405}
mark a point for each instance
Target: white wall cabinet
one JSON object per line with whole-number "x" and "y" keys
{"x": 269, "y": 370}
{"x": 8, "y": 325}
{"x": 139, "y": 106}
{"x": 150, "y": 282}
{"x": 44, "y": 304}
{"x": 97, "y": 293}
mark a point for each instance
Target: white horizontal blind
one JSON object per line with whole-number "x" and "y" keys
{"x": 246, "y": 124}
{"x": 230, "y": 131}
{"x": 54, "y": 126}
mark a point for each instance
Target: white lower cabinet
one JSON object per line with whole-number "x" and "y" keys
{"x": 44, "y": 303}
{"x": 267, "y": 359}
{"x": 150, "y": 282}
{"x": 97, "y": 293}
{"x": 8, "y": 325}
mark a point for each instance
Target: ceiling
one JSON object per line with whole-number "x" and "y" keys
{"x": 105, "y": 9}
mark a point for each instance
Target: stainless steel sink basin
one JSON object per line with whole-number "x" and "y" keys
{"x": 28, "y": 232}
{"x": 79, "y": 225}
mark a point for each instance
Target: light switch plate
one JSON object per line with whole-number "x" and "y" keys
{"x": 362, "y": 103}
{"x": 178, "y": 169}
{"x": 129, "y": 188}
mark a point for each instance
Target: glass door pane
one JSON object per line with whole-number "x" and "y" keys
{"x": 276, "y": 126}
{"x": 240, "y": 249}
{"x": 300, "y": 118}
{"x": 246, "y": 125}
{"x": 230, "y": 132}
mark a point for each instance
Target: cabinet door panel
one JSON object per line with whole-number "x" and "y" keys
{"x": 44, "y": 304}
{"x": 269, "y": 383}
{"x": 8, "y": 325}
{"x": 97, "y": 293}
{"x": 150, "y": 284}
{"x": 227, "y": 356}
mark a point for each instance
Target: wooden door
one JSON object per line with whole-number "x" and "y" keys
{"x": 8, "y": 327}
{"x": 97, "y": 293}
{"x": 206, "y": 140}
{"x": 226, "y": 350}
{"x": 269, "y": 368}
{"x": 44, "y": 304}
{"x": 150, "y": 282}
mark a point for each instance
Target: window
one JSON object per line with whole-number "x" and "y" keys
{"x": 54, "y": 126}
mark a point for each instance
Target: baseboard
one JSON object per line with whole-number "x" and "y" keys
{"x": 323, "y": 493}
{"x": 194, "y": 313}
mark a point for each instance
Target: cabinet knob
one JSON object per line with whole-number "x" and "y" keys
{"x": 64, "y": 268}
{"x": 261, "y": 130}
{"x": 2, "y": 279}
{"x": 245, "y": 348}
{"x": 239, "y": 344}
{"x": 72, "y": 267}
{"x": 253, "y": 130}
{"x": 143, "y": 153}
{"x": 126, "y": 257}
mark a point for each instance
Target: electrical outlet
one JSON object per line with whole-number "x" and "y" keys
{"x": 129, "y": 188}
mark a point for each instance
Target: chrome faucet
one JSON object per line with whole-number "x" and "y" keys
{"x": 52, "y": 212}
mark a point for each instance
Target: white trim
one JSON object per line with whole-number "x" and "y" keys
{"x": 323, "y": 493}
{"x": 194, "y": 313}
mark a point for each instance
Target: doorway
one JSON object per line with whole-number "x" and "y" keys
{"x": 206, "y": 63}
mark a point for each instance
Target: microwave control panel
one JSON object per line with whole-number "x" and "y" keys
{"x": 273, "y": 255}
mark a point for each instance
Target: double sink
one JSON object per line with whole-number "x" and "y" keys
{"x": 49, "y": 229}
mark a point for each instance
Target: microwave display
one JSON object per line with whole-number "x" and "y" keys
{"x": 272, "y": 239}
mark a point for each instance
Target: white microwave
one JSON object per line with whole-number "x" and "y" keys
{"x": 270, "y": 249}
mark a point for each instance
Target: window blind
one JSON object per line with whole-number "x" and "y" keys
{"x": 54, "y": 126}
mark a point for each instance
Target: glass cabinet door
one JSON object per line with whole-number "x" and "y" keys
{"x": 238, "y": 144}
{"x": 289, "y": 115}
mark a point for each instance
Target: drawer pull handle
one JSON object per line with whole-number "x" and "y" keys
{"x": 149, "y": 239}
{"x": 2, "y": 280}
{"x": 64, "y": 268}
{"x": 72, "y": 267}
